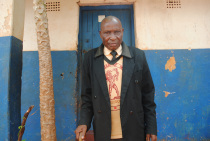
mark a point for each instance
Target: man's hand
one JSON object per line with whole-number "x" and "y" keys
{"x": 152, "y": 137}
{"x": 80, "y": 132}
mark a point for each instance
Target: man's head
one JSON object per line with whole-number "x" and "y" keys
{"x": 111, "y": 32}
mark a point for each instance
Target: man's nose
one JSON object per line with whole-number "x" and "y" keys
{"x": 112, "y": 36}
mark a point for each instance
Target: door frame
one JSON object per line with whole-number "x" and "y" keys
{"x": 79, "y": 50}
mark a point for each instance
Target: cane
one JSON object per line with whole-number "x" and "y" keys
{"x": 80, "y": 137}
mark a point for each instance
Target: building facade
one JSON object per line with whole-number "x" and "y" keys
{"x": 175, "y": 35}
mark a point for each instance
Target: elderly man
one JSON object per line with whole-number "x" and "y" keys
{"x": 117, "y": 90}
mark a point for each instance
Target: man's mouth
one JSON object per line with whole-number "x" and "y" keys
{"x": 113, "y": 44}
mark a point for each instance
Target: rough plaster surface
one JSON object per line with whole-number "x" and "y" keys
{"x": 6, "y": 17}
{"x": 12, "y": 18}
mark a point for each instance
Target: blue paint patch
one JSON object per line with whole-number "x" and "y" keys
{"x": 5, "y": 45}
{"x": 10, "y": 87}
{"x": 184, "y": 114}
{"x": 64, "y": 75}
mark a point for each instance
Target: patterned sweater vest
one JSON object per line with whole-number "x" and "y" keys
{"x": 114, "y": 79}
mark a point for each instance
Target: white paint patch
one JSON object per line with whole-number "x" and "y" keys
{"x": 18, "y": 18}
{"x": 6, "y": 17}
{"x": 12, "y": 18}
{"x": 100, "y": 18}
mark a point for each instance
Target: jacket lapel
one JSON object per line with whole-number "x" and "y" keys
{"x": 100, "y": 75}
{"x": 128, "y": 67}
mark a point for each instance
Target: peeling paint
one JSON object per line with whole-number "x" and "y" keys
{"x": 171, "y": 64}
{"x": 167, "y": 93}
{"x": 62, "y": 75}
{"x": 7, "y": 23}
{"x": 6, "y": 27}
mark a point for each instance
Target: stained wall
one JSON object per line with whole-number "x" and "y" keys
{"x": 11, "y": 36}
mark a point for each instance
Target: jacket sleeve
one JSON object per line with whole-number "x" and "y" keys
{"x": 149, "y": 105}
{"x": 86, "y": 112}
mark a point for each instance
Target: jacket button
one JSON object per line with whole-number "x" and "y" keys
{"x": 99, "y": 111}
{"x": 95, "y": 96}
{"x": 136, "y": 81}
{"x": 131, "y": 112}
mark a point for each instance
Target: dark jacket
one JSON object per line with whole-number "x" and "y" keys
{"x": 137, "y": 107}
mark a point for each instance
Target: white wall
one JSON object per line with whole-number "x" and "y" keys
{"x": 187, "y": 27}
{"x": 63, "y": 26}
{"x": 6, "y": 17}
{"x": 156, "y": 26}
{"x": 12, "y": 18}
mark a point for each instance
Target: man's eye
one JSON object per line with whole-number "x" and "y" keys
{"x": 117, "y": 32}
{"x": 107, "y": 32}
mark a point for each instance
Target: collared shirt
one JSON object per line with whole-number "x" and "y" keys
{"x": 114, "y": 81}
{"x": 125, "y": 51}
{"x": 107, "y": 52}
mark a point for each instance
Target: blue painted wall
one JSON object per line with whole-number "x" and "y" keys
{"x": 183, "y": 115}
{"x": 10, "y": 87}
{"x": 64, "y": 75}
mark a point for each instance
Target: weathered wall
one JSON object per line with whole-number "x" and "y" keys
{"x": 160, "y": 27}
{"x": 176, "y": 42}
{"x": 63, "y": 27}
{"x": 6, "y": 18}
{"x": 11, "y": 35}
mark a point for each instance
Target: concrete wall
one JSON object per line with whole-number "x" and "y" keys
{"x": 176, "y": 42}
{"x": 63, "y": 29}
{"x": 160, "y": 27}
{"x": 11, "y": 35}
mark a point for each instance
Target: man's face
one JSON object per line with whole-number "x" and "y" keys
{"x": 111, "y": 34}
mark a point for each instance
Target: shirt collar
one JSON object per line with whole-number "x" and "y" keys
{"x": 107, "y": 51}
{"x": 125, "y": 51}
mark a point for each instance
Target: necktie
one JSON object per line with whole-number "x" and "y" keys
{"x": 113, "y": 53}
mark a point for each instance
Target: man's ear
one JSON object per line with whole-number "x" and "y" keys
{"x": 100, "y": 33}
{"x": 122, "y": 29}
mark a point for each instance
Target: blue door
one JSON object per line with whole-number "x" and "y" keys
{"x": 90, "y": 24}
